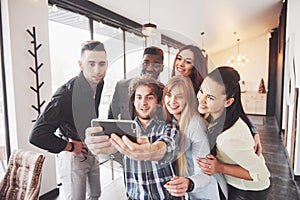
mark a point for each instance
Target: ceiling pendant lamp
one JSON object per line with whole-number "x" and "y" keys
{"x": 239, "y": 59}
{"x": 149, "y": 29}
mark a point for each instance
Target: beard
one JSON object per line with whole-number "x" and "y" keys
{"x": 153, "y": 74}
{"x": 145, "y": 118}
{"x": 148, "y": 116}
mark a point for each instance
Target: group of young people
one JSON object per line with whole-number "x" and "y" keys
{"x": 195, "y": 141}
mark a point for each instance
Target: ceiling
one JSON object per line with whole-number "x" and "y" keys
{"x": 218, "y": 19}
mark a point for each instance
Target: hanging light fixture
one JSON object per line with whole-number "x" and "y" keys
{"x": 203, "y": 50}
{"x": 239, "y": 60}
{"x": 149, "y": 29}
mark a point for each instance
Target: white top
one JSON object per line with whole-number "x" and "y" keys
{"x": 235, "y": 146}
{"x": 196, "y": 145}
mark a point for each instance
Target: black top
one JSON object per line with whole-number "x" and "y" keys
{"x": 70, "y": 110}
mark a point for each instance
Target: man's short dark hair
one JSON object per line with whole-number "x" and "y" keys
{"x": 154, "y": 51}
{"x": 92, "y": 45}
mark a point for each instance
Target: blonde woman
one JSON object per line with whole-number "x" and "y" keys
{"x": 180, "y": 105}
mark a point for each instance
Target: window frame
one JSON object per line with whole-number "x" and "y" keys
{"x": 99, "y": 13}
{"x": 5, "y": 107}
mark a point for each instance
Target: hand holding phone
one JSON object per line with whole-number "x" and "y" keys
{"x": 128, "y": 128}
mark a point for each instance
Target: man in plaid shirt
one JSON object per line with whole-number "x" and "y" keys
{"x": 147, "y": 163}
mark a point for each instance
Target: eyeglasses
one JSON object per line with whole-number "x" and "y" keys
{"x": 154, "y": 65}
{"x": 187, "y": 61}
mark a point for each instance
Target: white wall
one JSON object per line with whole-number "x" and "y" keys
{"x": 293, "y": 38}
{"x": 17, "y": 17}
{"x": 257, "y": 51}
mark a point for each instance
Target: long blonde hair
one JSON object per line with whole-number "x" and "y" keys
{"x": 190, "y": 110}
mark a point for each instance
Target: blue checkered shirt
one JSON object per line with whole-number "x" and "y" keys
{"x": 145, "y": 179}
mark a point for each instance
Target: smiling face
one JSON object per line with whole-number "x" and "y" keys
{"x": 175, "y": 101}
{"x": 145, "y": 102}
{"x": 152, "y": 64}
{"x": 184, "y": 63}
{"x": 94, "y": 66}
{"x": 212, "y": 98}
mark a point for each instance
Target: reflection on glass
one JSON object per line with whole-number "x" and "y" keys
{"x": 2, "y": 132}
{"x": 112, "y": 38}
{"x": 170, "y": 54}
{"x": 66, "y": 34}
{"x": 134, "y": 54}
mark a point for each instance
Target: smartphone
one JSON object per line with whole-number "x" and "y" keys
{"x": 119, "y": 127}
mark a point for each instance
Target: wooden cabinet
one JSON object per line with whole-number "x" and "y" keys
{"x": 254, "y": 102}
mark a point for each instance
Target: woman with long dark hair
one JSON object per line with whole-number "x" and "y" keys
{"x": 229, "y": 133}
{"x": 190, "y": 62}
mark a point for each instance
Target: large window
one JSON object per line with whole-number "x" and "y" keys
{"x": 68, "y": 29}
{"x": 124, "y": 46}
{"x": 113, "y": 42}
{"x": 169, "y": 57}
{"x": 65, "y": 40}
{"x": 3, "y": 156}
{"x": 3, "y": 131}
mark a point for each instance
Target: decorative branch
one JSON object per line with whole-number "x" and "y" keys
{"x": 35, "y": 70}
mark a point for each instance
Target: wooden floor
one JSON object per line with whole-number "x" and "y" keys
{"x": 283, "y": 187}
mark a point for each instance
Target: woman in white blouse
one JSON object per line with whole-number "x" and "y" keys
{"x": 229, "y": 131}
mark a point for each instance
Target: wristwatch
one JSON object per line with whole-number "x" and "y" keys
{"x": 72, "y": 147}
{"x": 191, "y": 186}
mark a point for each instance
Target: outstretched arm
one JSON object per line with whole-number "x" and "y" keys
{"x": 142, "y": 150}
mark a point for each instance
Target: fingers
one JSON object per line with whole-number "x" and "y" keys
{"x": 257, "y": 144}
{"x": 98, "y": 144}
{"x": 131, "y": 145}
{"x": 175, "y": 181}
{"x": 118, "y": 143}
{"x": 96, "y": 139}
{"x": 177, "y": 186}
{"x": 203, "y": 163}
{"x": 125, "y": 142}
{"x": 210, "y": 157}
{"x": 84, "y": 150}
{"x": 78, "y": 146}
{"x": 206, "y": 165}
{"x": 255, "y": 148}
{"x": 92, "y": 130}
{"x": 131, "y": 149}
{"x": 142, "y": 140}
{"x": 177, "y": 193}
{"x": 117, "y": 140}
{"x": 258, "y": 149}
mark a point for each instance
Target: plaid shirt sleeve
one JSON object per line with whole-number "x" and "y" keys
{"x": 170, "y": 134}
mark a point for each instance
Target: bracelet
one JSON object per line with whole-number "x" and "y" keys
{"x": 72, "y": 147}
